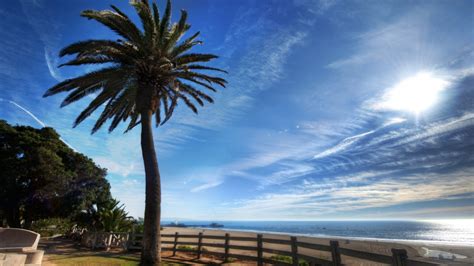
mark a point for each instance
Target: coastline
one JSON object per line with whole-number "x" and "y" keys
{"x": 332, "y": 237}
{"x": 417, "y": 249}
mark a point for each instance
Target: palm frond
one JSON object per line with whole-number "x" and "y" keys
{"x": 188, "y": 102}
{"x": 192, "y": 58}
{"x": 169, "y": 111}
{"x": 205, "y": 85}
{"x": 185, "y": 45}
{"x": 89, "y": 45}
{"x": 209, "y": 79}
{"x": 84, "y": 81}
{"x": 117, "y": 23}
{"x": 115, "y": 107}
{"x": 199, "y": 67}
{"x": 165, "y": 22}
{"x": 116, "y": 9}
{"x": 144, "y": 12}
{"x": 80, "y": 93}
{"x": 105, "y": 95}
{"x": 133, "y": 121}
{"x": 156, "y": 15}
{"x": 178, "y": 31}
{"x": 191, "y": 90}
{"x": 89, "y": 61}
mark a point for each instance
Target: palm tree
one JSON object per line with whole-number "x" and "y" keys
{"x": 145, "y": 73}
{"x": 112, "y": 217}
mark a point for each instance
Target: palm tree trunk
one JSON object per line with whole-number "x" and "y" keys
{"x": 151, "y": 250}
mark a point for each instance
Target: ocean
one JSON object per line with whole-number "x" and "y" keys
{"x": 447, "y": 231}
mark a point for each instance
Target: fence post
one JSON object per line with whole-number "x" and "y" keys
{"x": 259, "y": 250}
{"x": 336, "y": 255}
{"x": 131, "y": 239}
{"x": 294, "y": 251}
{"x": 399, "y": 257}
{"x": 109, "y": 241}
{"x": 199, "y": 249}
{"x": 226, "y": 247}
{"x": 175, "y": 244}
{"x": 125, "y": 241}
{"x": 94, "y": 241}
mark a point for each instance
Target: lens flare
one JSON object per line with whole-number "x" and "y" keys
{"x": 414, "y": 94}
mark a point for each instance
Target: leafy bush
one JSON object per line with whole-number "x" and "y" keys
{"x": 288, "y": 259}
{"x": 190, "y": 248}
{"x": 187, "y": 248}
{"x": 52, "y": 226}
{"x": 139, "y": 228}
{"x": 108, "y": 216}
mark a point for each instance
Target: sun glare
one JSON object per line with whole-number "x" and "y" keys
{"x": 414, "y": 94}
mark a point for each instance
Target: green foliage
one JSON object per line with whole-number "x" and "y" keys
{"x": 108, "y": 216}
{"x": 139, "y": 228}
{"x": 190, "y": 248}
{"x": 52, "y": 226}
{"x": 41, "y": 177}
{"x": 187, "y": 248}
{"x": 147, "y": 69}
{"x": 288, "y": 259}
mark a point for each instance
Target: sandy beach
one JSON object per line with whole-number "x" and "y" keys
{"x": 422, "y": 251}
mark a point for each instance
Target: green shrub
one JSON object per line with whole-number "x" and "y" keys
{"x": 52, "y": 226}
{"x": 138, "y": 228}
{"x": 190, "y": 248}
{"x": 187, "y": 248}
{"x": 288, "y": 259}
{"x": 107, "y": 216}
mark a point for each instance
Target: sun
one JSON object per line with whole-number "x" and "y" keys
{"x": 414, "y": 94}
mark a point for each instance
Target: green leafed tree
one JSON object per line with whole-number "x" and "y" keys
{"x": 41, "y": 177}
{"x": 145, "y": 74}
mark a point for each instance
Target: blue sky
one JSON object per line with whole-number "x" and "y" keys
{"x": 334, "y": 109}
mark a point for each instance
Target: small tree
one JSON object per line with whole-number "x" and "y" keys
{"x": 108, "y": 216}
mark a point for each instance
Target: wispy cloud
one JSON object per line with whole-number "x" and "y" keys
{"x": 317, "y": 7}
{"x": 41, "y": 123}
{"x": 355, "y": 192}
{"x": 52, "y": 63}
{"x": 48, "y": 31}
{"x": 402, "y": 156}
{"x": 29, "y": 113}
{"x": 206, "y": 186}
{"x": 261, "y": 64}
{"x": 396, "y": 42}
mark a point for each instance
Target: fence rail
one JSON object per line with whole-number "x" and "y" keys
{"x": 226, "y": 243}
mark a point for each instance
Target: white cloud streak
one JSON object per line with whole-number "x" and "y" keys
{"x": 316, "y": 199}
{"x": 41, "y": 123}
{"x": 51, "y": 63}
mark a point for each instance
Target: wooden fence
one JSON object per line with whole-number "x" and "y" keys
{"x": 294, "y": 247}
{"x": 105, "y": 240}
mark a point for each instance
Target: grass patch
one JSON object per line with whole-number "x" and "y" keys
{"x": 288, "y": 259}
{"x": 99, "y": 260}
